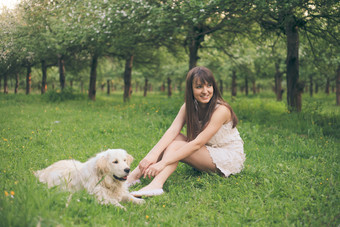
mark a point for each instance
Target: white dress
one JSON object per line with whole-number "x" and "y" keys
{"x": 226, "y": 150}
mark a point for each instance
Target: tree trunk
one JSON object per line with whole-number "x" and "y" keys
{"x": 193, "y": 53}
{"x": 311, "y": 85}
{"x": 195, "y": 40}
{"x": 292, "y": 62}
{"x": 108, "y": 87}
{"x": 254, "y": 86}
{"x": 327, "y": 85}
{"x": 145, "y": 86}
{"x": 221, "y": 86}
{"x": 169, "y": 87}
{"x": 28, "y": 80}
{"x": 337, "y": 81}
{"x": 93, "y": 78}
{"x": 127, "y": 78}
{"x": 44, "y": 76}
{"x": 233, "y": 84}
{"x": 61, "y": 65}
{"x": 16, "y": 87}
{"x": 5, "y": 83}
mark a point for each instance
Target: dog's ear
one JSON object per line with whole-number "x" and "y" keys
{"x": 129, "y": 159}
{"x": 102, "y": 166}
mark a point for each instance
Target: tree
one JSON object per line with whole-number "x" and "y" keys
{"x": 143, "y": 30}
{"x": 197, "y": 20}
{"x": 7, "y": 47}
{"x": 321, "y": 62}
{"x": 338, "y": 86}
{"x": 14, "y": 51}
{"x": 288, "y": 17}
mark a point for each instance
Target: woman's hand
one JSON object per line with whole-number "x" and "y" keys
{"x": 145, "y": 163}
{"x": 154, "y": 169}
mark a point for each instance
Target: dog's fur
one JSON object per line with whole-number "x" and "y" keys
{"x": 103, "y": 176}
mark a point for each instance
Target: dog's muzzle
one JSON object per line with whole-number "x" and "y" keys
{"x": 120, "y": 178}
{"x": 126, "y": 170}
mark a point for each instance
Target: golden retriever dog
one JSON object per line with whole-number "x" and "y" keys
{"x": 103, "y": 176}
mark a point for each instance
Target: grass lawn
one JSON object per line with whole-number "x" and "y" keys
{"x": 290, "y": 178}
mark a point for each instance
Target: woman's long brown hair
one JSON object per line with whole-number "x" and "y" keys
{"x": 194, "y": 125}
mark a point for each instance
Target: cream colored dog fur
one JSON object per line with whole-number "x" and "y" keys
{"x": 103, "y": 176}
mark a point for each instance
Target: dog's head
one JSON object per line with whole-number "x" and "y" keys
{"x": 115, "y": 162}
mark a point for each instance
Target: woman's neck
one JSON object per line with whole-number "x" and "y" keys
{"x": 202, "y": 111}
{"x": 203, "y": 106}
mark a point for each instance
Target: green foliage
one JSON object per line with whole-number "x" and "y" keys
{"x": 58, "y": 96}
{"x": 223, "y": 32}
{"x": 291, "y": 175}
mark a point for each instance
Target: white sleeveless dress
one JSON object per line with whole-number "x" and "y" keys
{"x": 226, "y": 150}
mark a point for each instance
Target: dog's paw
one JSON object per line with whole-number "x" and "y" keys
{"x": 138, "y": 201}
{"x": 120, "y": 206}
{"x": 117, "y": 204}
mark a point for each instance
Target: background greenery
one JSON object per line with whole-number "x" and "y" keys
{"x": 90, "y": 42}
{"x": 290, "y": 177}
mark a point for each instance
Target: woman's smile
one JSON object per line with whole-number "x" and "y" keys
{"x": 202, "y": 92}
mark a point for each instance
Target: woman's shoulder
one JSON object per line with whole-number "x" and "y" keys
{"x": 222, "y": 107}
{"x": 183, "y": 107}
{"x": 223, "y": 111}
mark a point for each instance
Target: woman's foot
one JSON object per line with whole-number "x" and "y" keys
{"x": 149, "y": 190}
{"x": 133, "y": 177}
{"x": 147, "y": 193}
{"x": 132, "y": 183}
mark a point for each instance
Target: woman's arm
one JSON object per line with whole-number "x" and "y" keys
{"x": 220, "y": 116}
{"x": 164, "y": 142}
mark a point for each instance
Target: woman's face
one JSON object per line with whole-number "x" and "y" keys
{"x": 203, "y": 92}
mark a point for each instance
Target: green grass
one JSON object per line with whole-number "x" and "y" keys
{"x": 291, "y": 175}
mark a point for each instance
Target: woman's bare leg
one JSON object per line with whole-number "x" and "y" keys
{"x": 134, "y": 175}
{"x": 200, "y": 160}
{"x": 159, "y": 180}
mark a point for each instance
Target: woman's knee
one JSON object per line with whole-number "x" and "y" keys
{"x": 178, "y": 142}
{"x": 180, "y": 137}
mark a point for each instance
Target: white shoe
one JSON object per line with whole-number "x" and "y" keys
{"x": 130, "y": 184}
{"x": 147, "y": 193}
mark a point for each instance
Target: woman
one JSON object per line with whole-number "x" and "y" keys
{"x": 212, "y": 143}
